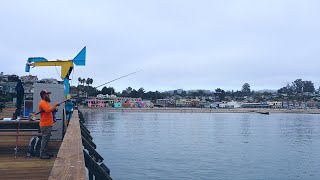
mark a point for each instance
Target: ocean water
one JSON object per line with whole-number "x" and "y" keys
{"x": 207, "y": 146}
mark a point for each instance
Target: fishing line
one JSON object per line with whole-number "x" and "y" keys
{"x": 57, "y": 71}
{"x": 118, "y": 78}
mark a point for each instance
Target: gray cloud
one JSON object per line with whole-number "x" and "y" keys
{"x": 178, "y": 44}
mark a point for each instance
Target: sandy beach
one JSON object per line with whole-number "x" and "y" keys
{"x": 204, "y": 110}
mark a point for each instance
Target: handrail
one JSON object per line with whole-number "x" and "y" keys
{"x": 70, "y": 163}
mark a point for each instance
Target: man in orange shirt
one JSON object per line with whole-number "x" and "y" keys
{"x": 46, "y": 122}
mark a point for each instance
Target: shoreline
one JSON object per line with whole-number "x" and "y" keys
{"x": 204, "y": 110}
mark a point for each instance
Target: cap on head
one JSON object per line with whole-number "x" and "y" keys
{"x": 43, "y": 92}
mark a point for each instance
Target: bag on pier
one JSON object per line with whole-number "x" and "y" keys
{"x": 34, "y": 147}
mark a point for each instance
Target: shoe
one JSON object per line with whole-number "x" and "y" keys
{"x": 45, "y": 157}
{"x": 50, "y": 154}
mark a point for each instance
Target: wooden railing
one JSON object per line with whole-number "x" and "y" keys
{"x": 70, "y": 163}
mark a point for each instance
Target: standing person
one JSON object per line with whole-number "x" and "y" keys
{"x": 20, "y": 95}
{"x": 46, "y": 122}
{"x": 1, "y": 106}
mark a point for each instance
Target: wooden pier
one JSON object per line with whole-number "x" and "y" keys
{"x": 68, "y": 161}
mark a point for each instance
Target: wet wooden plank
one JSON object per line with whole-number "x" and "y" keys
{"x": 69, "y": 163}
{"x": 22, "y": 167}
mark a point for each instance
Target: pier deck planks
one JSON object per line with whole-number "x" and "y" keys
{"x": 70, "y": 163}
{"x": 21, "y": 167}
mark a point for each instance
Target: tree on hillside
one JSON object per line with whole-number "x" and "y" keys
{"x": 79, "y": 80}
{"x": 124, "y": 93}
{"x": 308, "y": 86}
{"x": 141, "y": 92}
{"x": 298, "y": 86}
{"x": 134, "y": 94}
{"x": 184, "y": 93}
{"x": 220, "y": 93}
{"x": 90, "y": 81}
{"x": 107, "y": 90}
{"x": 246, "y": 89}
{"x": 129, "y": 89}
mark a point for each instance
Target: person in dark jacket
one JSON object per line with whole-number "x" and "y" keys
{"x": 20, "y": 95}
{"x": 1, "y": 106}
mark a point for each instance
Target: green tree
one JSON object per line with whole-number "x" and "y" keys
{"x": 134, "y": 93}
{"x": 298, "y": 86}
{"x": 184, "y": 93}
{"x": 220, "y": 93}
{"x": 79, "y": 80}
{"x": 124, "y": 93}
{"x": 308, "y": 86}
{"x": 90, "y": 81}
{"x": 141, "y": 92}
{"x": 246, "y": 89}
{"x": 129, "y": 89}
{"x": 108, "y": 90}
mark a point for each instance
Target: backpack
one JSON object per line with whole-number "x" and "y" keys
{"x": 34, "y": 147}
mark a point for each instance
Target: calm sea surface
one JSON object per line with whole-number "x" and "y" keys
{"x": 207, "y": 146}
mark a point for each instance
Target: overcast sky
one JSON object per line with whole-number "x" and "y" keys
{"x": 189, "y": 44}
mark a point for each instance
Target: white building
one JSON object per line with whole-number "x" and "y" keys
{"x": 275, "y": 104}
{"x": 29, "y": 79}
{"x": 103, "y": 96}
{"x": 231, "y": 104}
{"x": 50, "y": 81}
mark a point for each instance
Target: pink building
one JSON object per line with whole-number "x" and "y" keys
{"x": 130, "y": 102}
{"x": 97, "y": 103}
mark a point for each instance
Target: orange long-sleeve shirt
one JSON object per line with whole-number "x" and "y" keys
{"x": 46, "y": 117}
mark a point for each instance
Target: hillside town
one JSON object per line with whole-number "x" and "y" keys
{"x": 300, "y": 95}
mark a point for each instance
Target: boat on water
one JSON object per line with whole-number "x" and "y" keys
{"x": 266, "y": 113}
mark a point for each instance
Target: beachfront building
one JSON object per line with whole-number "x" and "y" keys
{"x": 255, "y": 105}
{"x": 106, "y": 96}
{"x": 208, "y": 105}
{"x": 299, "y": 105}
{"x": 98, "y": 102}
{"x": 128, "y": 102}
{"x": 229, "y": 105}
{"x": 134, "y": 102}
{"x": 117, "y": 105}
{"x": 275, "y": 104}
{"x": 118, "y": 102}
{"x": 148, "y": 104}
{"x": 188, "y": 103}
{"x": 165, "y": 102}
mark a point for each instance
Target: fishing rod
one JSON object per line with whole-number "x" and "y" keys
{"x": 118, "y": 78}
